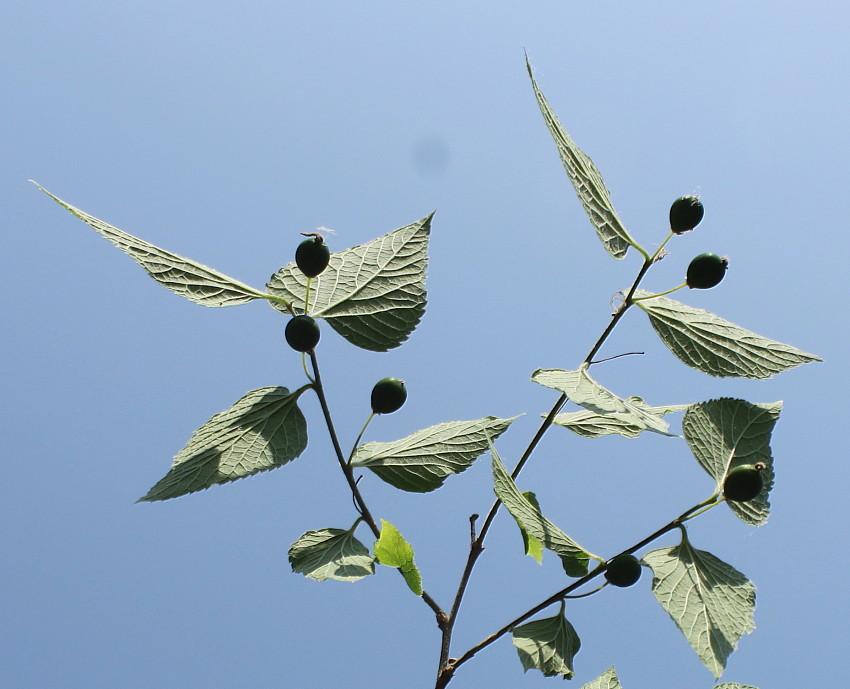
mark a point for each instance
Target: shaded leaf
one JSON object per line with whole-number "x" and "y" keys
{"x": 587, "y": 182}
{"x": 726, "y": 433}
{"x": 607, "y": 680}
{"x": 574, "y": 558}
{"x": 372, "y": 294}
{"x": 710, "y": 601}
{"x": 589, "y": 424}
{"x": 422, "y": 461}
{"x": 331, "y": 554}
{"x": 265, "y": 429}
{"x": 530, "y": 544}
{"x": 581, "y": 389}
{"x": 715, "y": 346}
{"x": 392, "y": 550}
{"x": 194, "y": 281}
{"x": 548, "y": 645}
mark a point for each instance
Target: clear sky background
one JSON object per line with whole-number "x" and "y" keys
{"x": 220, "y": 132}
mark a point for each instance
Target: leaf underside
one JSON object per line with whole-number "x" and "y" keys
{"x": 607, "y": 680}
{"x": 331, "y": 554}
{"x": 548, "y": 645}
{"x": 589, "y": 424}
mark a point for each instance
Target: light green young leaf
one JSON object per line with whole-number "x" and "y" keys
{"x": 607, "y": 680}
{"x": 548, "y": 645}
{"x": 422, "y": 461}
{"x": 331, "y": 554}
{"x": 574, "y": 558}
{"x": 587, "y": 182}
{"x": 373, "y": 294}
{"x": 265, "y": 429}
{"x": 392, "y": 550}
{"x": 589, "y": 424}
{"x": 587, "y": 393}
{"x": 710, "y": 601}
{"x": 726, "y": 433}
{"x": 715, "y": 346}
{"x": 194, "y": 281}
{"x": 530, "y": 544}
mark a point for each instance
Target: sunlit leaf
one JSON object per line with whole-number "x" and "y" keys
{"x": 331, "y": 554}
{"x": 392, "y": 550}
{"x": 548, "y": 645}
{"x": 589, "y": 424}
{"x": 607, "y": 680}
{"x": 530, "y": 544}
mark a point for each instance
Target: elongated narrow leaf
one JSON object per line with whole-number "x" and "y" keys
{"x": 587, "y": 393}
{"x": 710, "y": 601}
{"x": 574, "y": 558}
{"x": 715, "y": 346}
{"x": 587, "y": 182}
{"x": 732, "y": 685}
{"x": 263, "y": 430}
{"x": 422, "y": 461}
{"x": 194, "y": 281}
{"x": 373, "y": 294}
{"x": 607, "y": 680}
{"x": 548, "y": 645}
{"x": 331, "y": 554}
{"x": 589, "y": 424}
{"x": 726, "y": 433}
{"x": 392, "y": 550}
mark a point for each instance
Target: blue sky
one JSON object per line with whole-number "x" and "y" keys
{"x": 221, "y": 132}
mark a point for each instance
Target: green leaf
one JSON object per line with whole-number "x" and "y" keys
{"x": 331, "y": 554}
{"x": 574, "y": 558}
{"x": 715, "y": 346}
{"x": 587, "y": 393}
{"x": 422, "y": 461}
{"x": 373, "y": 294}
{"x": 393, "y": 551}
{"x": 548, "y": 645}
{"x": 530, "y": 544}
{"x": 589, "y": 424}
{"x": 587, "y": 182}
{"x": 732, "y": 685}
{"x": 710, "y": 601}
{"x": 726, "y": 433}
{"x": 607, "y": 680}
{"x": 194, "y": 281}
{"x": 265, "y": 429}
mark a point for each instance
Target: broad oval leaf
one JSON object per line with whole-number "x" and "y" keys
{"x": 422, "y": 461}
{"x": 548, "y": 645}
{"x": 589, "y": 424}
{"x": 587, "y": 182}
{"x": 373, "y": 294}
{"x": 331, "y": 554}
{"x": 715, "y": 346}
{"x": 265, "y": 429}
{"x": 726, "y": 433}
{"x": 710, "y": 601}
{"x": 586, "y": 392}
{"x": 607, "y": 680}
{"x": 392, "y": 550}
{"x": 194, "y": 281}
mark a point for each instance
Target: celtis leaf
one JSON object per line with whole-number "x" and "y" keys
{"x": 726, "y": 433}
{"x": 587, "y": 182}
{"x": 530, "y": 544}
{"x": 548, "y": 645}
{"x": 715, "y": 346}
{"x": 422, "y": 461}
{"x": 393, "y": 550}
{"x": 183, "y": 276}
{"x": 263, "y": 430}
{"x": 607, "y": 680}
{"x": 589, "y": 424}
{"x": 732, "y": 685}
{"x": 580, "y": 388}
{"x": 373, "y": 294}
{"x": 574, "y": 558}
{"x": 331, "y": 554}
{"x": 710, "y": 601}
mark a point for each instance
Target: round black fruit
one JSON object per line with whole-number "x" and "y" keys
{"x": 312, "y": 256}
{"x": 624, "y": 570}
{"x": 388, "y": 395}
{"x": 685, "y": 214}
{"x": 706, "y": 271}
{"x": 302, "y": 333}
{"x": 743, "y": 483}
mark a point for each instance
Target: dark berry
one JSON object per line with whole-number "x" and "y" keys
{"x": 312, "y": 256}
{"x": 706, "y": 271}
{"x": 685, "y": 214}
{"x": 388, "y": 395}
{"x": 743, "y": 483}
{"x": 302, "y": 333}
{"x": 624, "y": 570}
